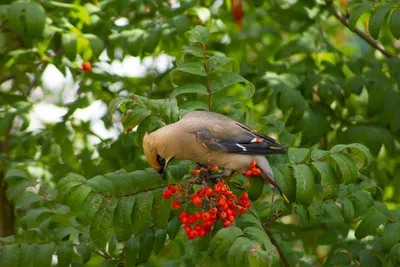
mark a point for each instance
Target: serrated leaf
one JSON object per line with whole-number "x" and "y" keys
{"x": 377, "y": 18}
{"x": 71, "y": 177}
{"x": 248, "y": 219}
{"x": 394, "y": 23}
{"x": 122, "y": 182}
{"x": 328, "y": 179}
{"x": 43, "y": 254}
{"x": 102, "y": 185}
{"x": 347, "y": 167}
{"x": 64, "y": 254}
{"x": 217, "y": 62}
{"x": 256, "y": 234}
{"x": 220, "y": 81}
{"x": 101, "y": 222}
{"x": 198, "y": 35}
{"x": 194, "y": 50}
{"x": 196, "y": 68}
{"x": 160, "y": 236}
{"x": 298, "y": 155}
{"x": 115, "y": 104}
{"x": 13, "y": 174}
{"x": 356, "y": 13}
{"x": 358, "y": 152}
{"x": 27, "y": 198}
{"x": 146, "y": 245}
{"x": 193, "y": 88}
{"x": 161, "y": 209}
{"x": 391, "y": 235}
{"x": 132, "y": 247}
{"x": 334, "y": 213}
{"x": 369, "y": 224}
{"x": 237, "y": 255}
{"x": 348, "y": 209}
{"x": 122, "y": 223}
{"x": 305, "y": 185}
{"x": 223, "y": 239}
{"x": 9, "y": 255}
{"x": 257, "y": 256}
{"x": 78, "y": 196}
{"x": 173, "y": 227}
{"x": 142, "y": 212}
{"x": 317, "y": 154}
{"x": 284, "y": 177}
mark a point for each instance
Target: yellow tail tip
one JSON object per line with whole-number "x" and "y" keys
{"x": 285, "y": 198}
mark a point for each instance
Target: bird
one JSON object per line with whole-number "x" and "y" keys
{"x": 210, "y": 138}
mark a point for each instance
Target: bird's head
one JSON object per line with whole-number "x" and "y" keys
{"x": 155, "y": 154}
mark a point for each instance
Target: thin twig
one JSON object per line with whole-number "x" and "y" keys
{"x": 207, "y": 76}
{"x": 273, "y": 240}
{"x": 339, "y": 15}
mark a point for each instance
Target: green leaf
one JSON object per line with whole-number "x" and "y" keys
{"x": 220, "y": 81}
{"x": 148, "y": 125}
{"x": 217, "y": 62}
{"x": 354, "y": 85}
{"x": 284, "y": 177}
{"x": 161, "y": 209}
{"x": 102, "y": 185}
{"x": 369, "y": 224}
{"x": 328, "y": 179}
{"x": 142, "y": 212}
{"x": 43, "y": 254}
{"x": 346, "y": 166}
{"x": 358, "y": 152}
{"x": 101, "y": 222}
{"x": 160, "y": 236}
{"x": 78, "y": 196}
{"x": 122, "y": 181}
{"x": 84, "y": 247}
{"x": 26, "y": 199}
{"x": 196, "y": 68}
{"x": 256, "y": 234}
{"x": 394, "y": 23}
{"x": 193, "y": 50}
{"x": 237, "y": 255}
{"x": 348, "y": 209}
{"x": 317, "y": 154}
{"x": 257, "y": 255}
{"x": 305, "y": 186}
{"x": 132, "y": 247}
{"x": 357, "y": 11}
{"x": 69, "y": 44}
{"x": 151, "y": 39}
{"x": 64, "y": 253}
{"x": 146, "y": 245}
{"x": 298, "y": 155}
{"x": 198, "y": 35}
{"x": 377, "y": 18}
{"x": 27, "y": 18}
{"x": 71, "y": 177}
{"x": 193, "y": 88}
{"x": 334, "y": 213}
{"x": 122, "y": 223}
{"x": 223, "y": 239}
{"x": 256, "y": 187}
{"x": 391, "y": 235}
{"x": 115, "y": 104}
{"x": 173, "y": 227}
{"x": 13, "y": 174}
{"x": 96, "y": 44}
{"x": 9, "y": 255}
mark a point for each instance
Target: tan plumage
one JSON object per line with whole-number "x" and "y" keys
{"x": 211, "y": 138}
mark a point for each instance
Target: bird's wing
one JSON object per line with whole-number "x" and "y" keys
{"x": 239, "y": 138}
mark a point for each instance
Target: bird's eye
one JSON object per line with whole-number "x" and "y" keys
{"x": 160, "y": 160}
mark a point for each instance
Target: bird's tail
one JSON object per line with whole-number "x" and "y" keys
{"x": 269, "y": 177}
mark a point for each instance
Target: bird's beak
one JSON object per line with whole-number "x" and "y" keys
{"x": 163, "y": 170}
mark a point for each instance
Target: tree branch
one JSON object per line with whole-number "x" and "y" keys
{"x": 344, "y": 20}
{"x": 273, "y": 240}
{"x": 207, "y": 77}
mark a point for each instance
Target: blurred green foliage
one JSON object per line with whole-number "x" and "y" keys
{"x": 322, "y": 77}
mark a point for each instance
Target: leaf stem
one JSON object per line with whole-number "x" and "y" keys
{"x": 207, "y": 77}
{"x": 344, "y": 20}
{"x": 273, "y": 240}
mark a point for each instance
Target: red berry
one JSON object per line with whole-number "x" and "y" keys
{"x": 196, "y": 172}
{"x": 208, "y": 222}
{"x": 192, "y": 219}
{"x": 253, "y": 164}
{"x": 208, "y": 191}
{"x": 194, "y": 234}
{"x": 214, "y": 210}
{"x": 86, "y": 66}
{"x": 206, "y": 216}
{"x": 202, "y": 232}
{"x": 222, "y": 215}
{"x": 196, "y": 200}
{"x": 198, "y": 215}
{"x": 234, "y": 213}
{"x": 187, "y": 228}
{"x": 248, "y": 174}
{"x": 214, "y": 168}
{"x": 247, "y": 185}
{"x": 185, "y": 220}
{"x": 256, "y": 171}
{"x": 183, "y": 214}
{"x": 198, "y": 227}
{"x": 167, "y": 194}
{"x": 231, "y": 218}
{"x": 176, "y": 204}
{"x": 245, "y": 195}
{"x": 227, "y": 223}
{"x": 217, "y": 188}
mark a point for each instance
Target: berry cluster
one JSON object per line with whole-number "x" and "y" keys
{"x": 254, "y": 170}
{"x": 213, "y": 204}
